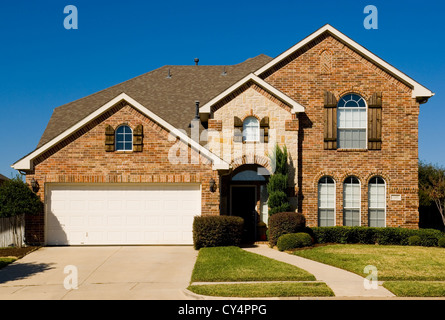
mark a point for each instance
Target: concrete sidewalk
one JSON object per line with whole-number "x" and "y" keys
{"x": 343, "y": 283}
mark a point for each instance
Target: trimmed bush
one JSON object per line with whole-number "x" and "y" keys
{"x": 217, "y": 231}
{"x": 414, "y": 241}
{"x": 441, "y": 242}
{"x": 294, "y": 240}
{"x": 284, "y": 223}
{"x": 370, "y": 235}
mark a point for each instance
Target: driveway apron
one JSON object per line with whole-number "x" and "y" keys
{"x": 102, "y": 273}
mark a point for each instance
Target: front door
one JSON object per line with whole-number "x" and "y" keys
{"x": 243, "y": 205}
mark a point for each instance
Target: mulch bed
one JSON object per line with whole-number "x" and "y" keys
{"x": 16, "y": 252}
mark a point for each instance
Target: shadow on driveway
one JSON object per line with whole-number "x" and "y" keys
{"x": 20, "y": 271}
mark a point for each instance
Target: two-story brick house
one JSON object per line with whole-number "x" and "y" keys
{"x": 133, "y": 164}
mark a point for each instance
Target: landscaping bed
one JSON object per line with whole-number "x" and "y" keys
{"x": 11, "y": 254}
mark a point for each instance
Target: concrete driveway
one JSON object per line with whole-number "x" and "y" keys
{"x": 136, "y": 273}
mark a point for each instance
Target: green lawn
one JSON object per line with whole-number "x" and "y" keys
{"x": 232, "y": 264}
{"x": 406, "y": 270}
{"x": 235, "y": 264}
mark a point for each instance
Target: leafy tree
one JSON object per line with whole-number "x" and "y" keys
{"x": 277, "y": 185}
{"x": 16, "y": 201}
{"x": 432, "y": 186}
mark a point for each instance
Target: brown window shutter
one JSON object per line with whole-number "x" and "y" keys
{"x": 109, "y": 139}
{"x": 238, "y": 130}
{"x": 330, "y": 125}
{"x": 264, "y": 125}
{"x": 375, "y": 122}
{"x": 138, "y": 138}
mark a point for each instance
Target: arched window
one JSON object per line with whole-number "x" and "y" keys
{"x": 352, "y": 122}
{"x": 251, "y": 129}
{"x": 326, "y": 202}
{"x": 377, "y": 202}
{"x": 124, "y": 138}
{"x": 351, "y": 202}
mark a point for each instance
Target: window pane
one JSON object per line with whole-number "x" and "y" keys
{"x": 351, "y": 217}
{"x": 376, "y": 217}
{"x": 326, "y": 218}
{"x": 251, "y": 129}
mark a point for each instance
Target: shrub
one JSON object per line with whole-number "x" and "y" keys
{"x": 370, "y": 235}
{"x": 283, "y": 223}
{"x": 278, "y": 182}
{"x": 414, "y": 241}
{"x": 217, "y": 231}
{"x": 294, "y": 240}
{"x": 441, "y": 242}
{"x": 17, "y": 200}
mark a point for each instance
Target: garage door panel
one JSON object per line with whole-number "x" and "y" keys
{"x": 124, "y": 214}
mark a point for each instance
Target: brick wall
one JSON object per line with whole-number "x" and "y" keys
{"x": 82, "y": 159}
{"x": 327, "y": 64}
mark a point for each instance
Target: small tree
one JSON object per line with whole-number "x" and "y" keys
{"x": 277, "y": 185}
{"x": 16, "y": 201}
{"x": 432, "y": 186}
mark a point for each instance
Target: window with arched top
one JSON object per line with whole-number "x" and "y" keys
{"x": 326, "y": 202}
{"x": 124, "y": 138}
{"x": 251, "y": 129}
{"x": 377, "y": 202}
{"x": 351, "y": 202}
{"x": 352, "y": 122}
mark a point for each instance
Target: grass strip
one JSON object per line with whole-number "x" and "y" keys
{"x": 255, "y": 290}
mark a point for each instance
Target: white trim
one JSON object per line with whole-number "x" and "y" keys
{"x": 296, "y": 107}
{"x": 26, "y": 162}
{"x": 418, "y": 91}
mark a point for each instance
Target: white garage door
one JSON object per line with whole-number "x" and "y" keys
{"x": 121, "y": 215}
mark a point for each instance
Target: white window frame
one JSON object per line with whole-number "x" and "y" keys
{"x": 385, "y": 202}
{"x": 116, "y": 138}
{"x": 347, "y": 128}
{"x": 256, "y": 128}
{"x": 334, "y": 201}
{"x": 359, "y": 197}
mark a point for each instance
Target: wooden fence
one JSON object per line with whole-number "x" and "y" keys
{"x": 6, "y": 231}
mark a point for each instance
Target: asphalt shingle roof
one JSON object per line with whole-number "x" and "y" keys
{"x": 171, "y": 99}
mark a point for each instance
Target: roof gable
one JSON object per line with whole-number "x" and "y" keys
{"x": 418, "y": 91}
{"x": 26, "y": 163}
{"x": 251, "y": 78}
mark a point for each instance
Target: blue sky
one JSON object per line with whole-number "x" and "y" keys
{"x": 43, "y": 65}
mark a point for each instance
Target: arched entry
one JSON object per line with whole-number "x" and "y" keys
{"x": 247, "y": 197}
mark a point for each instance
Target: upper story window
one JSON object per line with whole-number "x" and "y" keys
{"x": 124, "y": 138}
{"x": 251, "y": 129}
{"x": 352, "y": 122}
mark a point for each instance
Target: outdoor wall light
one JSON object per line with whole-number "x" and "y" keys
{"x": 35, "y": 185}
{"x": 212, "y": 185}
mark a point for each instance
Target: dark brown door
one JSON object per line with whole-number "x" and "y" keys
{"x": 243, "y": 205}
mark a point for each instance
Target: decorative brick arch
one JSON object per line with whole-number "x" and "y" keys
{"x": 252, "y": 159}
{"x": 377, "y": 174}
